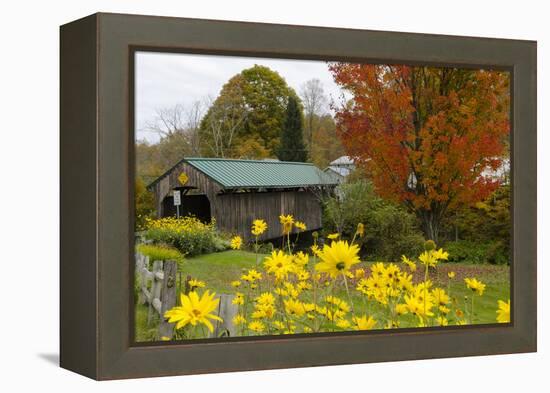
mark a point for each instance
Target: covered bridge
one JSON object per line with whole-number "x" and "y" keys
{"x": 235, "y": 192}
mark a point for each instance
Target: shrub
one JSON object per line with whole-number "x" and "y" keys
{"x": 189, "y": 235}
{"x": 390, "y": 230}
{"x": 486, "y": 225}
{"x": 477, "y": 252}
{"x": 160, "y": 252}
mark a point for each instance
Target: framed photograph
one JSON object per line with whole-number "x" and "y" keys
{"x": 242, "y": 196}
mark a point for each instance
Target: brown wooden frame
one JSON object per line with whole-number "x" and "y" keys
{"x": 97, "y": 175}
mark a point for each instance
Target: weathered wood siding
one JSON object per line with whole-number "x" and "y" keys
{"x": 204, "y": 185}
{"x": 237, "y": 211}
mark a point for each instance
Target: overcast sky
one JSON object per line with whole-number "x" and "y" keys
{"x": 164, "y": 80}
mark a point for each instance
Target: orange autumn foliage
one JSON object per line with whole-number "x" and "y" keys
{"x": 425, "y": 135}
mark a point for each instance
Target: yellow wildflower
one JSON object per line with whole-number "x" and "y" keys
{"x": 279, "y": 325}
{"x": 417, "y": 306}
{"x": 301, "y": 259}
{"x": 440, "y": 254}
{"x": 236, "y": 242}
{"x": 194, "y": 310}
{"x": 256, "y": 326}
{"x": 238, "y": 299}
{"x": 427, "y": 258}
{"x": 503, "y": 312}
{"x": 451, "y": 275}
{"x": 315, "y": 249}
{"x": 333, "y": 236}
{"x": 287, "y": 222}
{"x": 401, "y": 309}
{"x": 409, "y": 263}
{"x": 279, "y": 264}
{"x": 235, "y": 283}
{"x": 294, "y": 307}
{"x": 258, "y": 227}
{"x": 196, "y": 284}
{"x": 391, "y": 272}
{"x": 359, "y": 273}
{"x": 475, "y": 285}
{"x": 300, "y": 225}
{"x": 343, "y": 323}
{"x": 239, "y": 320}
{"x": 302, "y": 275}
{"x": 378, "y": 269}
{"x": 341, "y": 304}
{"x": 251, "y": 276}
{"x": 444, "y": 309}
{"x": 265, "y": 298}
{"x": 337, "y": 258}
{"x": 364, "y": 323}
{"x": 440, "y": 297}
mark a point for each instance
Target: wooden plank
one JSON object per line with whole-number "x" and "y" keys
{"x": 226, "y": 311}
{"x": 155, "y": 291}
{"x": 168, "y": 298}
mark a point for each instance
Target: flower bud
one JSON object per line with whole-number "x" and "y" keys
{"x": 429, "y": 245}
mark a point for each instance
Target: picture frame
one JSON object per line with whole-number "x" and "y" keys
{"x": 97, "y": 172}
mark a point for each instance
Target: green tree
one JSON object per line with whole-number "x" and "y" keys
{"x": 251, "y": 105}
{"x": 145, "y": 205}
{"x": 325, "y": 146}
{"x": 292, "y": 146}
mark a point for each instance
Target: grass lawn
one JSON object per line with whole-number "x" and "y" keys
{"x": 219, "y": 269}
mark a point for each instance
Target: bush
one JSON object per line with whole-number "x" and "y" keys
{"x": 189, "y": 235}
{"x": 390, "y": 230}
{"x": 484, "y": 228}
{"x": 475, "y": 252}
{"x": 160, "y": 253}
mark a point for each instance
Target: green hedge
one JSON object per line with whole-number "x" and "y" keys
{"x": 473, "y": 252}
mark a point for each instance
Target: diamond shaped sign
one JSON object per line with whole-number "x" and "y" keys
{"x": 183, "y": 178}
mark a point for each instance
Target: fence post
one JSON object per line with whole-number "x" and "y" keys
{"x": 155, "y": 290}
{"x": 226, "y": 311}
{"x": 168, "y": 297}
{"x": 141, "y": 267}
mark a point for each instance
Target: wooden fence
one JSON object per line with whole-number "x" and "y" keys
{"x": 159, "y": 286}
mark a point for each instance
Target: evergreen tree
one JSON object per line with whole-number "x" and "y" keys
{"x": 292, "y": 146}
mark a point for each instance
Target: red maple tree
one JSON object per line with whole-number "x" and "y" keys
{"x": 426, "y": 136}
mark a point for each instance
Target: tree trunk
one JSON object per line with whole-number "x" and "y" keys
{"x": 430, "y": 225}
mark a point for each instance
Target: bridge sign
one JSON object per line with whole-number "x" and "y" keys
{"x": 183, "y": 178}
{"x": 177, "y": 197}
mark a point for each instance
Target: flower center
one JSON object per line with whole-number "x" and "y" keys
{"x": 340, "y": 265}
{"x": 196, "y": 312}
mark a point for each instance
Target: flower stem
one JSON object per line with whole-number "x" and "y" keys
{"x": 349, "y": 296}
{"x": 472, "y": 311}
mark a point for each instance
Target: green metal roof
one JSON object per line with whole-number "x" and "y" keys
{"x": 232, "y": 173}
